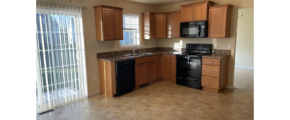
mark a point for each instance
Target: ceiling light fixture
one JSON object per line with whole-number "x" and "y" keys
{"x": 69, "y": 1}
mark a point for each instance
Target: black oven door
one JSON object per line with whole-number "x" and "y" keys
{"x": 188, "y": 71}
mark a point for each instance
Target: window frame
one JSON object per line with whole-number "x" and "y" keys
{"x": 131, "y": 29}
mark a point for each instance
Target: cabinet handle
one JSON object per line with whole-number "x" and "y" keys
{"x": 209, "y": 82}
{"x": 209, "y": 71}
{"x": 209, "y": 62}
{"x": 208, "y": 34}
{"x": 191, "y": 18}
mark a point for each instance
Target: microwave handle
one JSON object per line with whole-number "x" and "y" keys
{"x": 199, "y": 29}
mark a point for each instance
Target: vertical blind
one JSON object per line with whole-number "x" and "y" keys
{"x": 61, "y": 65}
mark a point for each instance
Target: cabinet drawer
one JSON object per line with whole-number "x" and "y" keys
{"x": 206, "y": 61}
{"x": 145, "y": 60}
{"x": 210, "y": 82}
{"x": 212, "y": 71}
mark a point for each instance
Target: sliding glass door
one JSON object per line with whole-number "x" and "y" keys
{"x": 61, "y": 67}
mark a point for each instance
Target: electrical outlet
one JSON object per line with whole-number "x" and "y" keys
{"x": 107, "y": 49}
{"x": 215, "y": 45}
{"x": 170, "y": 44}
{"x": 149, "y": 45}
{"x": 141, "y": 45}
{"x": 229, "y": 46}
{"x": 251, "y": 58}
{"x": 89, "y": 42}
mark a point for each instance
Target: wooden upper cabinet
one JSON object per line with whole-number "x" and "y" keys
{"x": 219, "y": 23}
{"x": 195, "y": 11}
{"x": 173, "y": 24}
{"x": 160, "y": 25}
{"x": 109, "y": 23}
{"x": 148, "y": 25}
{"x": 186, "y": 13}
{"x": 118, "y": 23}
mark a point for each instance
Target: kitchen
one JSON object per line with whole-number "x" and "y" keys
{"x": 94, "y": 47}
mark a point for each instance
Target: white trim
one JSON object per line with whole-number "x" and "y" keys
{"x": 230, "y": 87}
{"x": 94, "y": 93}
{"x": 244, "y": 67}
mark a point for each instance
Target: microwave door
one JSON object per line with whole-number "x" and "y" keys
{"x": 193, "y": 30}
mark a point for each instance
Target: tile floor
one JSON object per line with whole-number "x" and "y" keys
{"x": 244, "y": 79}
{"x": 162, "y": 101}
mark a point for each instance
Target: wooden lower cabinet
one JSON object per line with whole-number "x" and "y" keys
{"x": 145, "y": 71}
{"x": 140, "y": 75}
{"x": 151, "y": 72}
{"x": 165, "y": 67}
{"x": 159, "y": 67}
{"x": 169, "y": 68}
{"x": 214, "y": 74}
{"x": 107, "y": 78}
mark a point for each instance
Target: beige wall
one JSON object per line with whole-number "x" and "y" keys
{"x": 245, "y": 38}
{"x": 89, "y": 33}
{"x": 222, "y": 43}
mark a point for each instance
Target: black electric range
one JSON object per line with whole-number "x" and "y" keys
{"x": 188, "y": 65}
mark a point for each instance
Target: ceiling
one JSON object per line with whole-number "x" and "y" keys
{"x": 160, "y": 2}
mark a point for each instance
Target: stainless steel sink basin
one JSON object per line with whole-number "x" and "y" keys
{"x": 132, "y": 55}
{"x": 147, "y": 53}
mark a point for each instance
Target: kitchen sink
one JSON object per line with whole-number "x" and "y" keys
{"x": 132, "y": 55}
{"x": 147, "y": 53}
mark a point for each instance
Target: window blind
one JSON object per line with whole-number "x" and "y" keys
{"x": 60, "y": 54}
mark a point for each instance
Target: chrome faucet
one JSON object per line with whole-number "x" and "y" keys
{"x": 134, "y": 49}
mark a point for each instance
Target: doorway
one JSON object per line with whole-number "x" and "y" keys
{"x": 244, "y": 59}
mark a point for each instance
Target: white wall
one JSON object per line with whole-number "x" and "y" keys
{"x": 245, "y": 38}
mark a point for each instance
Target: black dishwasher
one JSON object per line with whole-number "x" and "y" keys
{"x": 125, "y": 77}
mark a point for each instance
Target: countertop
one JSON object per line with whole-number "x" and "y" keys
{"x": 123, "y": 58}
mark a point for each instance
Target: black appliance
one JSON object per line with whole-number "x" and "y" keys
{"x": 125, "y": 77}
{"x": 188, "y": 65}
{"x": 193, "y": 29}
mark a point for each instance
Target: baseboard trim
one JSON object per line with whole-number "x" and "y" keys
{"x": 244, "y": 67}
{"x": 94, "y": 93}
{"x": 230, "y": 87}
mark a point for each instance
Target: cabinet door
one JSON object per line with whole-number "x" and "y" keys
{"x": 108, "y": 24}
{"x": 200, "y": 12}
{"x": 165, "y": 66}
{"x": 160, "y": 25}
{"x": 118, "y": 24}
{"x": 186, "y": 13}
{"x": 217, "y": 23}
{"x": 159, "y": 67}
{"x": 148, "y": 25}
{"x": 173, "y": 67}
{"x": 140, "y": 75}
{"x": 151, "y": 72}
{"x": 173, "y": 25}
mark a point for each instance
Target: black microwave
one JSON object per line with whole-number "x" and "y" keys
{"x": 196, "y": 29}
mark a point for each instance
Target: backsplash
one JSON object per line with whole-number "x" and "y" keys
{"x": 223, "y": 52}
{"x": 144, "y": 50}
{"x": 215, "y": 51}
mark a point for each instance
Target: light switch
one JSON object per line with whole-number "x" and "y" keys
{"x": 215, "y": 45}
{"x": 251, "y": 58}
{"x": 229, "y": 46}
